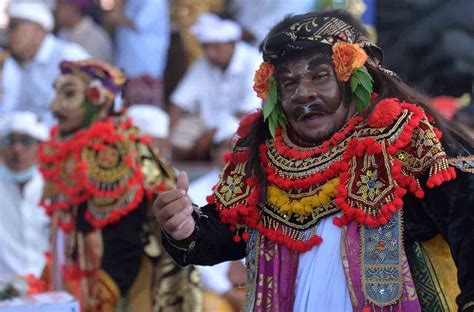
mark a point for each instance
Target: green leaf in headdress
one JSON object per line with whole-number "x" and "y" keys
{"x": 272, "y": 112}
{"x": 361, "y": 86}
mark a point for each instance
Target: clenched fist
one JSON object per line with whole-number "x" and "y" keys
{"x": 173, "y": 210}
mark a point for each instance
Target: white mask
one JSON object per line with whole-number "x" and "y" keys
{"x": 18, "y": 177}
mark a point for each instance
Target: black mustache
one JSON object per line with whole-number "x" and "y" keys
{"x": 310, "y": 108}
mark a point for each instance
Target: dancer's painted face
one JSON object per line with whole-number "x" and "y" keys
{"x": 311, "y": 98}
{"x": 68, "y": 104}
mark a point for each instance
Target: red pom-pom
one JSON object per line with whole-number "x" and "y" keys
{"x": 337, "y": 222}
{"x": 247, "y": 122}
{"x": 245, "y": 236}
{"x": 420, "y": 194}
{"x": 146, "y": 139}
{"x": 210, "y": 199}
{"x": 227, "y": 157}
{"x": 384, "y": 113}
{"x": 438, "y": 133}
{"x": 366, "y": 309}
{"x": 236, "y": 238}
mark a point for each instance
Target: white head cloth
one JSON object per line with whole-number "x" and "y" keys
{"x": 25, "y": 123}
{"x": 34, "y": 11}
{"x": 151, "y": 120}
{"x": 210, "y": 28}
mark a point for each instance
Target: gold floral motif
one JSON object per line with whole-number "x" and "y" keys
{"x": 423, "y": 139}
{"x": 108, "y": 165}
{"x": 231, "y": 187}
{"x": 369, "y": 185}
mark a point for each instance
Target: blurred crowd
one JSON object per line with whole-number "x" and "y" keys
{"x": 189, "y": 66}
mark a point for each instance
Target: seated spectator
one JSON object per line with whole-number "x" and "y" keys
{"x": 153, "y": 122}
{"x": 30, "y": 69}
{"x": 142, "y": 40}
{"x": 75, "y": 25}
{"x": 221, "y": 282}
{"x": 221, "y": 145}
{"x": 257, "y": 16}
{"x": 24, "y": 225}
{"x": 214, "y": 87}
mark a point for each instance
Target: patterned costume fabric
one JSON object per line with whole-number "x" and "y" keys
{"x": 100, "y": 183}
{"x": 375, "y": 172}
{"x": 312, "y": 32}
{"x": 376, "y": 167}
{"x": 381, "y": 267}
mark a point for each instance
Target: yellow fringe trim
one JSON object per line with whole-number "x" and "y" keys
{"x": 305, "y": 205}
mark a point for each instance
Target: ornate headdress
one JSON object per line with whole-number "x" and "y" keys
{"x": 105, "y": 80}
{"x": 350, "y": 50}
{"x": 311, "y": 32}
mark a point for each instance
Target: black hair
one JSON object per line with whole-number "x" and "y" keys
{"x": 454, "y": 139}
{"x": 465, "y": 116}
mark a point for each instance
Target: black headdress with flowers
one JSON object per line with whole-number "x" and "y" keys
{"x": 351, "y": 49}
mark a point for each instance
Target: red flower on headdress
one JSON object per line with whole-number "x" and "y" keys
{"x": 347, "y": 57}
{"x": 95, "y": 92}
{"x": 261, "y": 80}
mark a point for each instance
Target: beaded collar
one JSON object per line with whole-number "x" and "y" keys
{"x": 362, "y": 171}
{"x": 109, "y": 166}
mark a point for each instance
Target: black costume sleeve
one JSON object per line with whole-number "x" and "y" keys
{"x": 123, "y": 249}
{"x": 81, "y": 223}
{"x": 211, "y": 242}
{"x": 123, "y": 243}
{"x": 449, "y": 210}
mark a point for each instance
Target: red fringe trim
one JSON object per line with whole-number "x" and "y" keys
{"x": 210, "y": 199}
{"x": 80, "y": 189}
{"x": 116, "y": 214}
{"x": 291, "y": 153}
{"x": 404, "y": 138}
{"x": 285, "y": 183}
{"x": 248, "y": 214}
{"x": 440, "y": 177}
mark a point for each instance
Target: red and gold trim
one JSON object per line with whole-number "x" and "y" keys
{"x": 100, "y": 165}
{"x": 377, "y": 162}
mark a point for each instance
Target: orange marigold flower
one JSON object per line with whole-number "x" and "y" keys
{"x": 347, "y": 57}
{"x": 262, "y": 80}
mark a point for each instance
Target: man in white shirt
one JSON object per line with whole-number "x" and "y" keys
{"x": 224, "y": 278}
{"x": 142, "y": 37}
{"x": 216, "y": 86}
{"x": 24, "y": 225}
{"x": 76, "y": 26}
{"x": 201, "y": 187}
{"x": 35, "y": 54}
{"x": 257, "y": 16}
{"x": 153, "y": 122}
